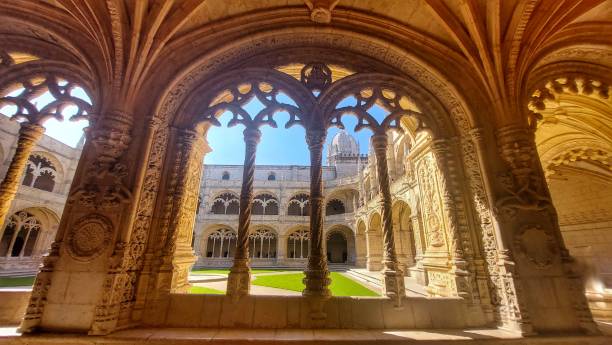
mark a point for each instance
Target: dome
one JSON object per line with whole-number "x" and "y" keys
{"x": 343, "y": 144}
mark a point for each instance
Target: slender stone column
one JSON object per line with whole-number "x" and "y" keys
{"x": 393, "y": 277}
{"x": 29, "y": 134}
{"x": 239, "y": 279}
{"x": 317, "y": 274}
{"x": 418, "y": 271}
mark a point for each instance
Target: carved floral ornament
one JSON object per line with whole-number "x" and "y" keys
{"x": 90, "y": 237}
{"x": 595, "y": 155}
{"x": 577, "y": 85}
{"x": 536, "y": 244}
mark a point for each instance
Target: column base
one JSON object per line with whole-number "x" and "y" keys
{"x": 393, "y": 282}
{"x": 374, "y": 263}
{"x": 181, "y": 266}
{"x": 317, "y": 280}
{"x": 419, "y": 274}
{"x": 239, "y": 279}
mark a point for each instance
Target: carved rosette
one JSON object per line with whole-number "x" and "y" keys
{"x": 536, "y": 245}
{"x": 90, "y": 237}
{"x": 321, "y": 10}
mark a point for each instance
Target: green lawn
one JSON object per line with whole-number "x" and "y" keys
{"x": 16, "y": 281}
{"x": 340, "y": 285}
{"x": 205, "y": 290}
{"x": 226, "y": 271}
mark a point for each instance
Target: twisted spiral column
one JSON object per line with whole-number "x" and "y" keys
{"x": 393, "y": 276}
{"x": 317, "y": 274}
{"x": 239, "y": 278}
{"x": 29, "y": 134}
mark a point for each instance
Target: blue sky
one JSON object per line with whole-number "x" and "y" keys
{"x": 278, "y": 146}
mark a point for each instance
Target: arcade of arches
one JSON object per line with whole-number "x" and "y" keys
{"x": 487, "y": 181}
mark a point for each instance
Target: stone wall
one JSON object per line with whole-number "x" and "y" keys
{"x": 584, "y": 205}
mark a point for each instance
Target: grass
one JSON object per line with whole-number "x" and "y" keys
{"x": 205, "y": 290}
{"x": 226, "y": 271}
{"x": 340, "y": 285}
{"x": 16, "y": 281}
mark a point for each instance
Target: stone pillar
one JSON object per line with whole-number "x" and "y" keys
{"x": 393, "y": 277}
{"x": 178, "y": 245}
{"x": 460, "y": 275}
{"x": 418, "y": 271}
{"x": 374, "y": 250}
{"x": 239, "y": 278}
{"x": 90, "y": 241}
{"x": 317, "y": 274}
{"x": 281, "y": 249}
{"x": 544, "y": 282}
{"x": 29, "y": 134}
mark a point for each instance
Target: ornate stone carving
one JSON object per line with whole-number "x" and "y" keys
{"x": 321, "y": 10}
{"x": 89, "y": 237}
{"x": 536, "y": 245}
{"x": 430, "y": 203}
{"x": 316, "y": 76}
{"x": 103, "y": 187}
{"x": 523, "y": 182}
{"x": 393, "y": 276}
{"x": 32, "y": 117}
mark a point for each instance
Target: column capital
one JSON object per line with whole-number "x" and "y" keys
{"x": 111, "y": 135}
{"x": 252, "y": 136}
{"x": 442, "y": 145}
{"x": 31, "y": 131}
{"x": 315, "y": 138}
{"x": 380, "y": 141}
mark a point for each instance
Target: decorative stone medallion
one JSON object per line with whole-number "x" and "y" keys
{"x": 90, "y": 236}
{"x": 536, "y": 245}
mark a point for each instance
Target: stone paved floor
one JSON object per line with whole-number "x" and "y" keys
{"x": 299, "y": 336}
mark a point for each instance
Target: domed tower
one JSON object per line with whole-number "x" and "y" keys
{"x": 343, "y": 154}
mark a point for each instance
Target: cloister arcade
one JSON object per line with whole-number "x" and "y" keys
{"x": 27, "y": 236}
{"x": 486, "y": 180}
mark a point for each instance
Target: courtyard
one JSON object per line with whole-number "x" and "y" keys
{"x": 281, "y": 282}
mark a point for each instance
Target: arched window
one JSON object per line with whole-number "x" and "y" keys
{"x": 226, "y": 203}
{"x": 298, "y": 244}
{"x": 334, "y": 206}
{"x": 20, "y": 234}
{"x": 298, "y": 205}
{"x": 262, "y": 244}
{"x": 221, "y": 244}
{"x": 40, "y": 173}
{"x": 265, "y": 204}
{"x": 225, "y": 176}
{"x": 271, "y": 176}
